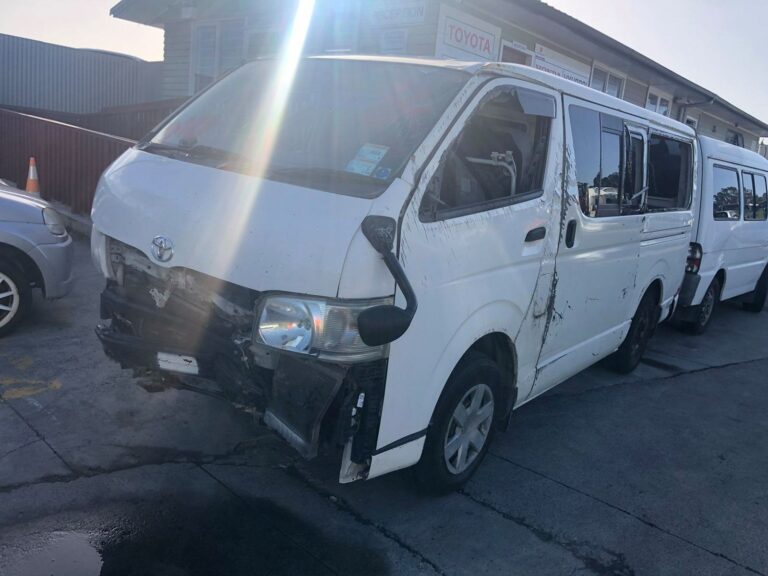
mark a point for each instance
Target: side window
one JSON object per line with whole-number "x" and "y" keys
{"x": 670, "y": 164}
{"x": 498, "y": 159}
{"x": 610, "y": 163}
{"x": 725, "y": 188}
{"x": 634, "y": 174}
{"x": 755, "y": 196}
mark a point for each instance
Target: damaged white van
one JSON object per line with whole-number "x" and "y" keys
{"x": 729, "y": 252}
{"x": 387, "y": 256}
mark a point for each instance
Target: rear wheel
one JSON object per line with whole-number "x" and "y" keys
{"x": 704, "y": 311}
{"x": 759, "y": 295}
{"x": 628, "y": 356}
{"x": 462, "y": 426}
{"x": 15, "y": 296}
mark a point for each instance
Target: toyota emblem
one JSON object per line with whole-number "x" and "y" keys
{"x": 162, "y": 248}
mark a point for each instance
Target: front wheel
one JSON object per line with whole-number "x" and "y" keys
{"x": 759, "y": 295}
{"x": 14, "y": 296}
{"x": 461, "y": 427}
{"x": 704, "y": 311}
{"x": 628, "y": 356}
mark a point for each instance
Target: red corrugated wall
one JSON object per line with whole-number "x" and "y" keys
{"x": 70, "y": 160}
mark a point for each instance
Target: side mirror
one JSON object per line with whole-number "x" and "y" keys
{"x": 383, "y": 324}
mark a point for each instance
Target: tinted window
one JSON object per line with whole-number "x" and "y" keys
{"x": 634, "y": 175}
{"x": 498, "y": 158}
{"x": 610, "y": 174}
{"x": 725, "y": 186}
{"x": 585, "y": 131}
{"x": 755, "y": 196}
{"x": 669, "y": 174}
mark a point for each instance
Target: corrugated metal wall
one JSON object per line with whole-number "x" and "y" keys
{"x": 51, "y": 77}
{"x": 70, "y": 160}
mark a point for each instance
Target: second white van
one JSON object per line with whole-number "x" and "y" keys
{"x": 729, "y": 250}
{"x": 388, "y": 256}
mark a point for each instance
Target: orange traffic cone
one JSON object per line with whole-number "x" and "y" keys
{"x": 33, "y": 184}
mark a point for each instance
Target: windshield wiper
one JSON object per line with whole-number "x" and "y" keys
{"x": 199, "y": 151}
{"x": 318, "y": 173}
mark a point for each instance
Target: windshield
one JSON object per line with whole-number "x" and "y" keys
{"x": 347, "y": 126}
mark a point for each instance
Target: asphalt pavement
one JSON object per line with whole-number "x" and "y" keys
{"x": 664, "y": 471}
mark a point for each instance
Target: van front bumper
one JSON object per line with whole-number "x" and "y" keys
{"x": 307, "y": 401}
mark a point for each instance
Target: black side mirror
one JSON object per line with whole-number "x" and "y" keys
{"x": 384, "y": 324}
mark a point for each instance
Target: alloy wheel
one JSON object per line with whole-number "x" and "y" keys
{"x": 9, "y": 299}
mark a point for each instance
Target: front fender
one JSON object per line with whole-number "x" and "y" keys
{"x": 418, "y": 372}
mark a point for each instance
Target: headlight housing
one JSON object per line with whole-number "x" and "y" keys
{"x": 323, "y": 328}
{"x": 54, "y": 222}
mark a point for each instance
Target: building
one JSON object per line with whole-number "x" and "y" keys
{"x": 205, "y": 38}
{"x": 43, "y": 78}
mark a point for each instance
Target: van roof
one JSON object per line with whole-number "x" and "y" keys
{"x": 719, "y": 150}
{"x": 532, "y": 75}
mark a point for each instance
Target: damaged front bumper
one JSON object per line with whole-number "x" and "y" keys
{"x": 311, "y": 403}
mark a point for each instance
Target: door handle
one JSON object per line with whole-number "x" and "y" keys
{"x": 570, "y": 234}
{"x": 536, "y": 234}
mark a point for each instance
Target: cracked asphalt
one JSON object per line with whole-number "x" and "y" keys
{"x": 664, "y": 471}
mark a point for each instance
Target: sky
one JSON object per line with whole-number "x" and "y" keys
{"x": 720, "y": 45}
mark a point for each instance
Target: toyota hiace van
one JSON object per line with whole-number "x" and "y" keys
{"x": 388, "y": 256}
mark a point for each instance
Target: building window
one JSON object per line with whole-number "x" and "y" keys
{"x": 607, "y": 82}
{"x": 510, "y": 53}
{"x": 755, "y": 196}
{"x": 725, "y": 185}
{"x": 733, "y": 137}
{"x": 692, "y": 122}
{"x": 658, "y": 103}
{"x": 217, "y": 48}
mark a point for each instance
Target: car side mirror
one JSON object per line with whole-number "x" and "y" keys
{"x": 383, "y": 324}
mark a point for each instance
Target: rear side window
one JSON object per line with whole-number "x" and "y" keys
{"x": 755, "y": 196}
{"x": 609, "y": 161}
{"x": 498, "y": 159}
{"x": 670, "y": 164}
{"x": 725, "y": 189}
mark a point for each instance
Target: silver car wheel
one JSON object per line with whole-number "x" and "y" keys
{"x": 9, "y": 299}
{"x": 468, "y": 429}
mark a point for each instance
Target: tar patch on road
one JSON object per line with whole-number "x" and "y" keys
{"x": 233, "y": 537}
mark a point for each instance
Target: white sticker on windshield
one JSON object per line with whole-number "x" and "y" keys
{"x": 367, "y": 158}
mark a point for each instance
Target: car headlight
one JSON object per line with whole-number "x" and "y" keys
{"x": 54, "y": 222}
{"x": 327, "y": 329}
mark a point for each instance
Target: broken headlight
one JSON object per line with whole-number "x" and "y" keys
{"x": 327, "y": 329}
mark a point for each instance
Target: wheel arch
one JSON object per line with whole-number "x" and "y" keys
{"x": 25, "y": 262}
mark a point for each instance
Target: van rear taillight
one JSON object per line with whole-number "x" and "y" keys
{"x": 694, "y": 258}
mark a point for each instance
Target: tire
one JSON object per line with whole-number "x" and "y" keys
{"x": 704, "y": 311}
{"x": 759, "y": 295}
{"x": 631, "y": 351}
{"x": 475, "y": 384}
{"x": 15, "y": 296}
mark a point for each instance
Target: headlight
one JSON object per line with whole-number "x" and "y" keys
{"x": 54, "y": 222}
{"x": 327, "y": 329}
{"x": 100, "y": 253}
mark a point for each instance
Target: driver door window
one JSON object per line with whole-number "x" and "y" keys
{"x": 498, "y": 159}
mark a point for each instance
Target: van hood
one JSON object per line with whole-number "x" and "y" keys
{"x": 255, "y": 233}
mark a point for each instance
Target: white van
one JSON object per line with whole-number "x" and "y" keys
{"x": 729, "y": 249}
{"x": 391, "y": 255}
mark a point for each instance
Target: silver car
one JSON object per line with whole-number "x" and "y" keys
{"x": 35, "y": 252}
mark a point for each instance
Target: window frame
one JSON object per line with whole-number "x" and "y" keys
{"x": 737, "y": 171}
{"x": 193, "y": 43}
{"x": 691, "y": 170}
{"x": 449, "y": 139}
{"x": 609, "y": 72}
{"x": 660, "y": 95}
{"x": 755, "y": 176}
